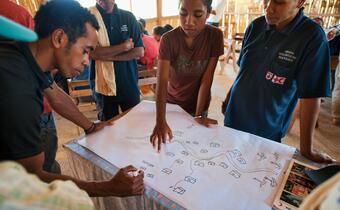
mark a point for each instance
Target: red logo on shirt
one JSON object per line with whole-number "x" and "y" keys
{"x": 275, "y": 79}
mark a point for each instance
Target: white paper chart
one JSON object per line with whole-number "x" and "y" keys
{"x": 202, "y": 168}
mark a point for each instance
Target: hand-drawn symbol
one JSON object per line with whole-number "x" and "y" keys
{"x": 204, "y": 151}
{"x": 195, "y": 142}
{"x": 223, "y": 165}
{"x": 170, "y": 154}
{"x": 188, "y": 142}
{"x": 241, "y": 160}
{"x": 178, "y": 133}
{"x": 235, "y": 174}
{"x": 261, "y": 155}
{"x": 276, "y": 156}
{"x": 148, "y": 164}
{"x": 264, "y": 181}
{"x": 179, "y": 161}
{"x": 150, "y": 175}
{"x": 167, "y": 170}
{"x": 277, "y": 165}
{"x": 179, "y": 190}
{"x": 235, "y": 153}
{"x": 199, "y": 163}
{"x": 185, "y": 153}
{"x": 191, "y": 126}
{"x": 215, "y": 145}
{"x": 211, "y": 163}
{"x": 142, "y": 168}
{"x": 190, "y": 179}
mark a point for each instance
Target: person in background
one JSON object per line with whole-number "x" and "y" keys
{"x": 48, "y": 134}
{"x": 143, "y": 22}
{"x": 150, "y": 50}
{"x": 319, "y": 21}
{"x": 284, "y": 58}
{"x": 334, "y": 45}
{"x": 167, "y": 27}
{"x": 157, "y": 33}
{"x": 67, "y": 33}
{"x": 188, "y": 56}
{"x": 217, "y": 12}
{"x": 114, "y": 61}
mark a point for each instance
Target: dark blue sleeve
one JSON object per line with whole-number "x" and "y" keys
{"x": 244, "y": 42}
{"x": 136, "y": 33}
{"x": 314, "y": 69}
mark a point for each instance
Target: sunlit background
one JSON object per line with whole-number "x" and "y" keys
{"x": 141, "y": 8}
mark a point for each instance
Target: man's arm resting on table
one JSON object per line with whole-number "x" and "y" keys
{"x": 119, "y": 185}
{"x": 309, "y": 112}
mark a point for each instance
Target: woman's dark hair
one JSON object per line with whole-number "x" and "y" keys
{"x": 68, "y": 15}
{"x": 167, "y": 28}
{"x": 159, "y": 30}
{"x": 206, "y": 3}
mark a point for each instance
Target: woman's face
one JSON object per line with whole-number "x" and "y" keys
{"x": 193, "y": 15}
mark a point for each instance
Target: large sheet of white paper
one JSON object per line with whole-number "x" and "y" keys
{"x": 202, "y": 168}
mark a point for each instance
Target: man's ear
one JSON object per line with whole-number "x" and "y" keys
{"x": 59, "y": 38}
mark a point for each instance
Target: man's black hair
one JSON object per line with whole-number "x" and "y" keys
{"x": 68, "y": 15}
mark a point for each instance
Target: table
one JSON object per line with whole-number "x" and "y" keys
{"x": 86, "y": 165}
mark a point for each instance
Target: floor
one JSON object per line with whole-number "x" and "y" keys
{"x": 327, "y": 136}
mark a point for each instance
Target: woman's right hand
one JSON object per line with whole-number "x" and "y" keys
{"x": 160, "y": 134}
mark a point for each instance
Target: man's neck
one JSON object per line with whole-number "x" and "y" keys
{"x": 43, "y": 54}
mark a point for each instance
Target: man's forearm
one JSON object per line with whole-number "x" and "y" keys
{"x": 135, "y": 53}
{"x": 309, "y": 112}
{"x": 63, "y": 105}
{"x": 94, "y": 189}
{"x": 101, "y": 53}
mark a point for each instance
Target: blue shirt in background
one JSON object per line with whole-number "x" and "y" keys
{"x": 122, "y": 25}
{"x": 277, "y": 68}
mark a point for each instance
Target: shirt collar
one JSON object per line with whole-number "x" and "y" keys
{"x": 291, "y": 26}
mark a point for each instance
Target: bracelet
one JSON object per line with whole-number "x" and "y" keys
{"x": 90, "y": 129}
{"x": 197, "y": 117}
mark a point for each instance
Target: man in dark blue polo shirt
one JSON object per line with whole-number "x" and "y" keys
{"x": 125, "y": 47}
{"x": 284, "y": 57}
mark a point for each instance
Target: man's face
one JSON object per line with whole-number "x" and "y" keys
{"x": 193, "y": 14}
{"x": 106, "y": 4}
{"x": 280, "y": 13}
{"x": 71, "y": 60}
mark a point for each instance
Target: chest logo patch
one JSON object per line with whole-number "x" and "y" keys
{"x": 287, "y": 56}
{"x": 275, "y": 79}
{"x": 124, "y": 28}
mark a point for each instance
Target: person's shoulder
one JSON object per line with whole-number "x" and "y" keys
{"x": 309, "y": 28}
{"x": 126, "y": 13}
{"x": 258, "y": 22}
{"x": 176, "y": 32}
{"x": 11, "y": 49}
{"x": 213, "y": 29}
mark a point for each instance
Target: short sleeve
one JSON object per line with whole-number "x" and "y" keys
{"x": 164, "y": 47}
{"x": 314, "y": 71}
{"x": 136, "y": 33}
{"x": 20, "y": 109}
{"x": 218, "y": 48}
{"x": 244, "y": 41}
